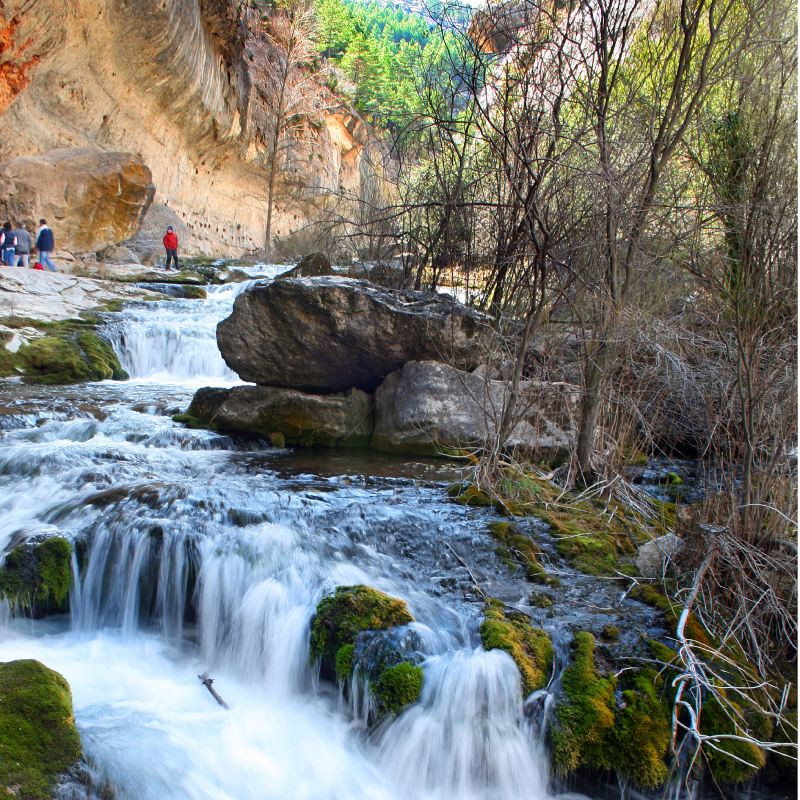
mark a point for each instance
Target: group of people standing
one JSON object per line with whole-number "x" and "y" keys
{"x": 16, "y": 246}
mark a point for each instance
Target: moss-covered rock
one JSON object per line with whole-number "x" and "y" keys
{"x": 586, "y": 717}
{"x": 398, "y": 686}
{"x": 38, "y": 738}
{"x": 732, "y": 760}
{"x": 340, "y": 618}
{"x": 640, "y": 738}
{"x": 36, "y": 577}
{"x": 71, "y": 354}
{"x": 515, "y": 549}
{"x": 530, "y": 647}
{"x": 594, "y": 731}
{"x": 594, "y": 534}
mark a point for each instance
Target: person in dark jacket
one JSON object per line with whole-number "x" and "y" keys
{"x": 8, "y": 243}
{"x": 45, "y": 244}
{"x": 171, "y": 246}
{"x": 23, "y": 248}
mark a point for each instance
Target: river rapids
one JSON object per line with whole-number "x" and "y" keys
{"x": 200, "y": 554}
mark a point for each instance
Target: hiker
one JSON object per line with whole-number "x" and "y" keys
{"x": 23, "y": 247}
{"x": 45, "y": 244}
{"x": 8, "y": 244}
{"x": 171, "y": 246}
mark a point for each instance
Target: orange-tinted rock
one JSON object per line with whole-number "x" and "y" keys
{"x": 90, "y": 198}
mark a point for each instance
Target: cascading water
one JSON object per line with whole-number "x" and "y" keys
{"x": 199, "y": 554}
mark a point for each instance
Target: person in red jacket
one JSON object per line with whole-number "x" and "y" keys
{"x": 171, "y": 246}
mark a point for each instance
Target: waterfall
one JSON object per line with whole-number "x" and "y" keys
{"x": 175, "y": 341}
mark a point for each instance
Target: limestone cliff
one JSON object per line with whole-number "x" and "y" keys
{"x": 175, "y": 82}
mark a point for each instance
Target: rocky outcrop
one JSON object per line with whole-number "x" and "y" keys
{"x": 432, "y": 407}
{"x": 184, "y": 84}
{"x": 286, "y": 416}
{"x": 91, "y": 198}
{"x": 313, "y": 265}
{"x": 330, "y": 334}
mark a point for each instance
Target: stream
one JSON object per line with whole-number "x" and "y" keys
{"x": 202, "y": 553}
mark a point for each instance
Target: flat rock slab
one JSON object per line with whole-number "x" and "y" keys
{"x": 427, "y": 407}
{"x": 329, "y": 334}
{"x": 49, "y": 296}
{"x": 338, "y": 420}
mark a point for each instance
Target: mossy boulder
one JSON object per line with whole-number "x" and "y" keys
{"x": 285, "y": 416}
{"x": 354, "y": 631}
{"x": 593, "y": 731}
{"x": 398, "y": 686}
{"x": 585, "y": 718}
{"x": 36, "y": 576}
{"x": 531, "y": 648}
{"x": 350, "y": 610}
{"x": 38, "y": 738}
{"x": 69, "y": 356}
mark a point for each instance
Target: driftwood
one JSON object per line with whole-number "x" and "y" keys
{"x": 207, "y": 682}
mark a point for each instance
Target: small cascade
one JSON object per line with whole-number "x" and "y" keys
{"x": 175, "y": 341}
{"x": 466, "y": 737}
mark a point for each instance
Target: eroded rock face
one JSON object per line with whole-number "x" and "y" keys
{"x": 330, "y": 334}
{"x": 286, "y": 416}
{"x": 90, "y": 198}
{"x": 183, "y": 82}
{"x": 429, "y": 407}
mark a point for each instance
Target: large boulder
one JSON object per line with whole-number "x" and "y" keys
{"x": 286, "y": 416}
{"x": 428, "y": 407}
{"x": 329, "y": 334}
{"x": 90, "y": 198}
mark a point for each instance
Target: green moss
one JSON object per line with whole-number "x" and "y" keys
{"x": 10, "y": 363}
{"x": 103, "y": 361}
{"x": 277, "y": 439}
{"x": 398, "y": 686}
{"x": 530, "y": 647}
{"x": 648, "y": 593}
{"x": 344, "y": 661}
{"x": 594, "y": 534}
{"x": 640, "y": 738}
{"x": 586, "y": 717}
{"x": 51, "y": 360}
{"x": 673, "y": 479}
{"x": 37, "y": 577}
{"x": 72, "y": 354}
{"x": 539, "y": 600}
{"x": 610, "y": 633}
{"x": 38, "y": 738}
{"x": 517, "y": 549}
{"x": 726, "y": 766}
{"x": 347, "y": 612}
{"x": 473, "y": 496}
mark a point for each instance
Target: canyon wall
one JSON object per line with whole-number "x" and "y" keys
{"x": 175, "y": 82}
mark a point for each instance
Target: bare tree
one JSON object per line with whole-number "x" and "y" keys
{"x": 290, "y": 88}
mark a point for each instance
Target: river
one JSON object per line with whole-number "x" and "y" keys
{"x": 205, "y": 554}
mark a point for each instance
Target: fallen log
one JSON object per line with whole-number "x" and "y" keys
{"x": 208, "y": 683}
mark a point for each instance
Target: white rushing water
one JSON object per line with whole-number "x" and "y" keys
{"x": 200, "y": 556}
